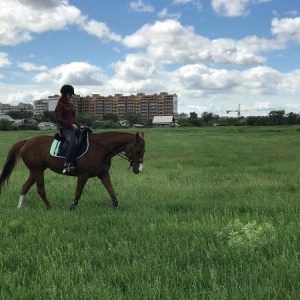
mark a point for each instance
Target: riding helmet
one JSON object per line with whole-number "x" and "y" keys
{"x": 67, "y": 89}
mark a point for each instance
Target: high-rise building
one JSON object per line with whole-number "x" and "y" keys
{"x": 41, "y": 105}
{"x": 147, "y": 106}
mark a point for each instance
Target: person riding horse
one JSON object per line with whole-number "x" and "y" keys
{"x": 65, "y": 116}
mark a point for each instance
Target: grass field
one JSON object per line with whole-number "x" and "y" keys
{"x": 214, "y": 215}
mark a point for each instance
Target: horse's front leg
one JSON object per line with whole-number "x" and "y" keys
{"x": 105, "y": 178}
{"x": 81, "y": 181}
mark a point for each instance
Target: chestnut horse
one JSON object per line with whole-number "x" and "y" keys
{"x": 96, "y": 162}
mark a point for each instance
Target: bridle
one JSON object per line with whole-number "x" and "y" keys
{"x": 124, "y": 156}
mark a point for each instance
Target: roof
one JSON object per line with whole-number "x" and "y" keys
{"x": 19, "y": 121}
{"x": 6, "y": 117}
{"x": 163, "y": 119}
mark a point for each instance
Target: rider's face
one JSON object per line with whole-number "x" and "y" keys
{"x": 69, "y": 97}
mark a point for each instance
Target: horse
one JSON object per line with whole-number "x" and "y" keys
{"x": 96, "y": 162}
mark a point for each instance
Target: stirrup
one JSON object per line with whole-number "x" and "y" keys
{"x": 68, "y": 169}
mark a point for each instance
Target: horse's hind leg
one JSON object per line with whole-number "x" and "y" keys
{"x": 40, "y": 184}
{"x": 105, "y": 178}
{"x": 26, "y": 187}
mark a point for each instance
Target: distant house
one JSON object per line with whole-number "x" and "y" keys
{"x": 163, "y": 121}
{"x": 18, "y": 122}
{"x": 7, "y": 117}
{"x": 15, "y": 122}
{"x": 47, "y": 126}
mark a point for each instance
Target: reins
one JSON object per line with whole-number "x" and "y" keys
{"x": 122, "y": 155}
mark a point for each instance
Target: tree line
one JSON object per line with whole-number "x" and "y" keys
{"x": 109, "y": 120}
{"x": 276, "y": 117}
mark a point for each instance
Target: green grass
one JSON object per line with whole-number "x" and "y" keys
{"x": 214, "y": 215}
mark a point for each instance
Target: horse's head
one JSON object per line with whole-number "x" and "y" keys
{"x": 135, "y": 153}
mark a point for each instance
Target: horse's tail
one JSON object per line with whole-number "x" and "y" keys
{"x": 11, "y": 161}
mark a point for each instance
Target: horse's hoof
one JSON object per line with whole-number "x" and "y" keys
{"x": 114, "y": 202}
{"x": 73, "y": 205}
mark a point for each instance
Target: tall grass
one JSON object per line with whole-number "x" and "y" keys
{"x": 214, "y": 215}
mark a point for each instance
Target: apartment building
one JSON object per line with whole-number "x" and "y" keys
{"x": 41, "y": 105}
{"x": 5, "y": 108}
{"x": 147, "y": 106}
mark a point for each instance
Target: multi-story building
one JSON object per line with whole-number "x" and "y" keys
{"x": 49, "y": 104}
{"x": 147, "y": 106}
{"x": 5, "y": 108}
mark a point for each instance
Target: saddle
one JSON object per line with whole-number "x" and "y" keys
{"x": 60, "y": 144}
{"x": 82, "y": 135}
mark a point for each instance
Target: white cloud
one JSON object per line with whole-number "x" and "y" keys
{"x": 196, "y": 3}
{"x": 234, "y": 8}
{"x": 22, "y": 18}
{"x": 286, "y": 29}
{"x": 77, "y": 73}
{"x": 38, "y": 4}
{"x": 31, "y": 67}
{"x": 140, "y": 6}
{"x": 4, "y": 60}
{"x": 182, "y": 1}
{"x": 19, "y": 19}
{"x": 165, "y": 14}
{"x": 292, "y": 13}
{"x": 169, "y": 42}
{"x": 138, "y": 73}
{"x": 100, "y": 30}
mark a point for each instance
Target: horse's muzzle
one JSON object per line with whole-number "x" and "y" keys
{"x": 137, "y": 168}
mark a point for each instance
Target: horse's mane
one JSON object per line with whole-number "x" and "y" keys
{"x": 112, "y": 133}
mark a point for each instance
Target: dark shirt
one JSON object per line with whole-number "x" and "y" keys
{"x": 65, "y": 114}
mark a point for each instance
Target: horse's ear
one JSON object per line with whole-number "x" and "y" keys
{"x": 139, "y": 135}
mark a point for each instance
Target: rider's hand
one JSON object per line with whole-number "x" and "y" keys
{"x": 74, "y": 126}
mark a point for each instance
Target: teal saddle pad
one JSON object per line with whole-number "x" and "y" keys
{"x": 57, "y": 148}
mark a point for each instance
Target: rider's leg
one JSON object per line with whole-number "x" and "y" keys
{"x": 71, "y": 137}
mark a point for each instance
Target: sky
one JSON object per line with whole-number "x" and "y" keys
{"x": 214, "y": 54}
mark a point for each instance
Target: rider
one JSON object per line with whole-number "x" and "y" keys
{"x": 66, "y": 117}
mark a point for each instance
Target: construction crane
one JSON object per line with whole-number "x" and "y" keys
{"x": 239, "y": 110}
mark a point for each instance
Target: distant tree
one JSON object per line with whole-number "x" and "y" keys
{"x": 194, "y": 120}
{"x": 87, "y": 120}
{"x": 276, "y": 117}
{"x": 133, "y": 117}
{"x": 262, "y": 121}
{"x": 110, "y": 117}
{"x": 251, "y": 120}
{"x": 184, "y": 123}
{"x": 5, "y": 125}
{"x": 292, "y": 118}
{"x": 206, "y": 116}
{"x": 49, "y": 116}
{"x": 20, "y": 114}
{"x": 193, "y": 115}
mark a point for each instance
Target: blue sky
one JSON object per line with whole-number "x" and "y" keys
{"x": 214, "y": 54}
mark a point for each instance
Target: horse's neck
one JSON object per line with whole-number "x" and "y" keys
{"x": 118, "y": 143}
